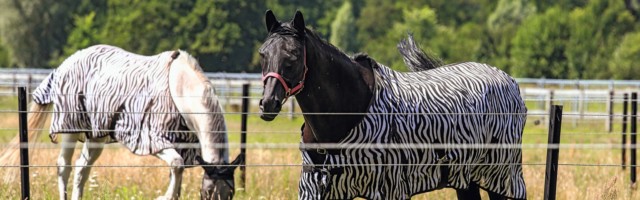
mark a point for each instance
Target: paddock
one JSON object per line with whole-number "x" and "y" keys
{"x": 590, "y": 160}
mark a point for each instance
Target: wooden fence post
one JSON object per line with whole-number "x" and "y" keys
{"x": 23, "y": 136}
{"x": 551, "y": 175}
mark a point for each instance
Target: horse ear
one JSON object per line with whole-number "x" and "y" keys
{"x": 298, "y": 22}
{"x": 271, "y": 21}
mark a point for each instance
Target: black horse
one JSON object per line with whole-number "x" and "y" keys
{"x": 356, "y": 100}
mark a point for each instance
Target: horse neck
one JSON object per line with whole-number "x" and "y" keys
{"x": 193, "y": 94}
{"x": 212, "y": 132}
{"x": 334, "y": 85}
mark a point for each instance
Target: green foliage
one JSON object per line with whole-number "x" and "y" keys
{"x": 501, "y": 27}
{"x": 564, "y": 4}
{"x": 460, "y": 44}
{"x": 539, "y": 46}
{"x": 596, "y": 30}
{"x": 419, "y": 21}
{"x": 318, "y": 14}
{"x": 223, "y": 35}
{"x": 34, "y": 30}
{"x": 376, "y": 18}
{"x": 626, "y": 57}
{"x": 343, "y": 28}
{"x": 5, "y": 60}
{"x": 83, "y": 35}
{"x": 577, "y": 39}
{"x": 455, "y": 13}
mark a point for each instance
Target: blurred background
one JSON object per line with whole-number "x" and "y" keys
{"x": 569, "y": 39}
{"x": 582, "y": 54}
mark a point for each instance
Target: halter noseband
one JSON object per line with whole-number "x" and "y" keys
{"x": 290, "y": 91}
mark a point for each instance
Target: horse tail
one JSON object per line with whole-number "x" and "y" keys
{"x": 37, "y": 116}
{"x": 415, "y": 58}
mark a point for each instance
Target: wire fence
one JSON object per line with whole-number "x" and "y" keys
{"x": 298, "y": 146}
{"x": 532, "y": 113}
{"x": 588, "y": 118}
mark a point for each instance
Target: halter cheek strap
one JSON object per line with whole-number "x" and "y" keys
{"x": 290, "y": 91}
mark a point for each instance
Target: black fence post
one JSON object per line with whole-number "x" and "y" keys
{"x": 243, "y": 132}
{"x": 24, "y": 151}
{"x": 634, "y": 112}
{"x": 625, "y": 103}
{"x": 551, "y": 175}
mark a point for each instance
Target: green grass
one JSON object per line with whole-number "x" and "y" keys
{"x": 8, "y": 118}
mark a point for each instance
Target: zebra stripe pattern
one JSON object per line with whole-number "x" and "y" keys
{"x": 466, "y": 103}
{"x": 106, "y": 91}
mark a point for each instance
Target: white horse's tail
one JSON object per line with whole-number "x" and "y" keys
{"x": 37, "y": 116}
{"x": 10, "y": 155}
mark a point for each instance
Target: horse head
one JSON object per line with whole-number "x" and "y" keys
{"x": 283, "y": 60}
{"x": 218, "y": 181}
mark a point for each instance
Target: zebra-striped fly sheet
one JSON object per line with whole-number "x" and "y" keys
{"x": 147, "y": 103}
{"x": 377, "y": 100}
{"x": 114, "y": 93}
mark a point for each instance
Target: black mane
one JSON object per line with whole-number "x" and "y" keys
{"x": 325, "y": 45}
{"x": 365, "y": 60}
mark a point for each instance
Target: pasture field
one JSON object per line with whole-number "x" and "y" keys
{"x": 272, "y": 173}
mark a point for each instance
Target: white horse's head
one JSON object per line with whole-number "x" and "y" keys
{"x": 195, "y": 98}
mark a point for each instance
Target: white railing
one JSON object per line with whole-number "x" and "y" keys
{"x": 576, "y": 95}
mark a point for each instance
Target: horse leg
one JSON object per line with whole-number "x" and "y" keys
{"x": 471, "y": 193}
{"x": 495, "y": 196}
{"x": 90, "y": 152}
{"x": 68, "y": 142}
{"x": 176, "y": 163}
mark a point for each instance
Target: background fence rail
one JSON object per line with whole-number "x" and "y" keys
{"x": 606, "y": 96}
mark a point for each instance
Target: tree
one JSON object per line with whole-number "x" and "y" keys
{"x": 626, "y": 58}
{"x": 5, "y": 61}
{"x": 82, "y": 36}
{"x": 501, "y": 25}
{"x": 376, "y": 18}
{"x": 455, "y": 13}
{"x": 633, "y": 6}
{"x": 564, "y": 5}
{"x": 318, "y": 14}
{"x": 343, "y": 28}
{"x": 222, "y": 35}
{"x": 35, "y": 30}
{"x": 458, "y": 44}
{"x": 539, "y": 46}
{"x": 596, "y": 30}
{"x": 420, "y": 21}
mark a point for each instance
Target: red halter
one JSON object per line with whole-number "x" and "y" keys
{"x": 296, "y": 89}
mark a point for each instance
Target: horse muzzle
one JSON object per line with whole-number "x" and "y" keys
{"x": 218, "y": 181}
{"x": 270, "y": 108}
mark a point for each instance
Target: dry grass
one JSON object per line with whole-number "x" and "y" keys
{"x": 280, "y": 182}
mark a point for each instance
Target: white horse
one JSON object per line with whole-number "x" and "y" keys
{"x": 149, "y": 104}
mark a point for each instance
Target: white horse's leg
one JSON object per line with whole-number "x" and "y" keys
{"x": 90, "y": 152}
{"x": 67, "y": 144}
{"x": 176, "y": 162}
